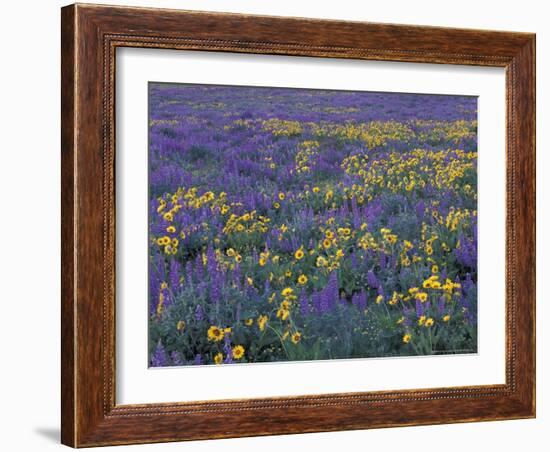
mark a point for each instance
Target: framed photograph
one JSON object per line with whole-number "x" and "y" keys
{"x": 280, "y": 225}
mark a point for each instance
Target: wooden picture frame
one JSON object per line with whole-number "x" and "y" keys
{"x": 90, "y": 35}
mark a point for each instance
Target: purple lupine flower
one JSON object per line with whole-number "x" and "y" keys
{"x": 228, "y": 351}
{"x": 199, "y": 267}
{"x": 420, "y": 208}
{"x": 303, "y": 302}
{"x": 372, "y": 280}
{"x": 177, "y": 359}
{"x": 211, "y": 264}
{"x": 199, "y": 313}
{"x": 175, "y": 269}
{"x": 383, "y": 259}
{"x": 419, "y": 308}
{"x": 159, "y": 358}
{"x": 197, "y": 360}
{"x": 189, "y": 274}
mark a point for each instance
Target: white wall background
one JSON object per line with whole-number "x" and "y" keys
{"x": 29, "y": 227}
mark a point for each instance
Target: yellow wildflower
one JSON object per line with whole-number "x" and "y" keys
{"x": 215, "y": 333}
{"x": 262, "y": 320}
{"x": 288, "y": 291}
{"x": 218, "y": 358}
{"x": 238, "y": 351}
{"x": 295, "y": 338}
{"x": 321, "y": 262}
{"x": 422, "y": 296}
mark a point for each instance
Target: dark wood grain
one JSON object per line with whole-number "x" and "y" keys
{"x": 90, "y": 36}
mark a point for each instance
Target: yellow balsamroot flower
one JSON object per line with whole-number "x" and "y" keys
{"x": 171, "y": 229}
{"x": 215, "y": 333}
{"x": 295, "y": 338}
{"x": 168, "y": 216}
{"x": 227, "y": 330}
{"x": 406, "y": 338}
{"x": 250, "y": 281}
{"x": 327, "y": 243}
{"x": 262, "y": 321}
{"x": 287, "y": 291}
{"x": 446, "y": 318}
{"x": 238, "y": 258}
{"x": 422, "y": 320}
{"x": 315, "y": 189}
{"x": 422, "y": 296}
{"x": 285, "y": 304}
{"x": 429, "y": 322}
{"x": 276, "y": 205}
{"x": 435, "y": 269}
{"x": 262, "y": 261}
{"x": 329, "y": 234}
{"x": 281, "y": 196}
{"x": 180, "y": 325}
{"x": 302, "y": 280}
{"x": 160, "y": 303}
{"x": 283, "y": 313}
{"x": 379, "y": 299}
{"x": 238, "y": 351}
{"x": 249, "y": 322}
{"x": 218, "y": 358}
{"x": 299, "y": 254}
{"x": 230, "y": 252}
{"x": 429, "y": 250}
{"x": 163, "y": 241}
{"x": 321, "y": 262}
{"x": 400, "y": 320}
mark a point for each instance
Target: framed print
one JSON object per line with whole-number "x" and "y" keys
{"x": 280, "y": 225}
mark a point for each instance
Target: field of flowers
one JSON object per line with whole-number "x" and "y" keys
{"x": 290, "y": 224}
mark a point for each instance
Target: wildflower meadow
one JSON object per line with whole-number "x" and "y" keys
{"x": 293, "y": 224}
